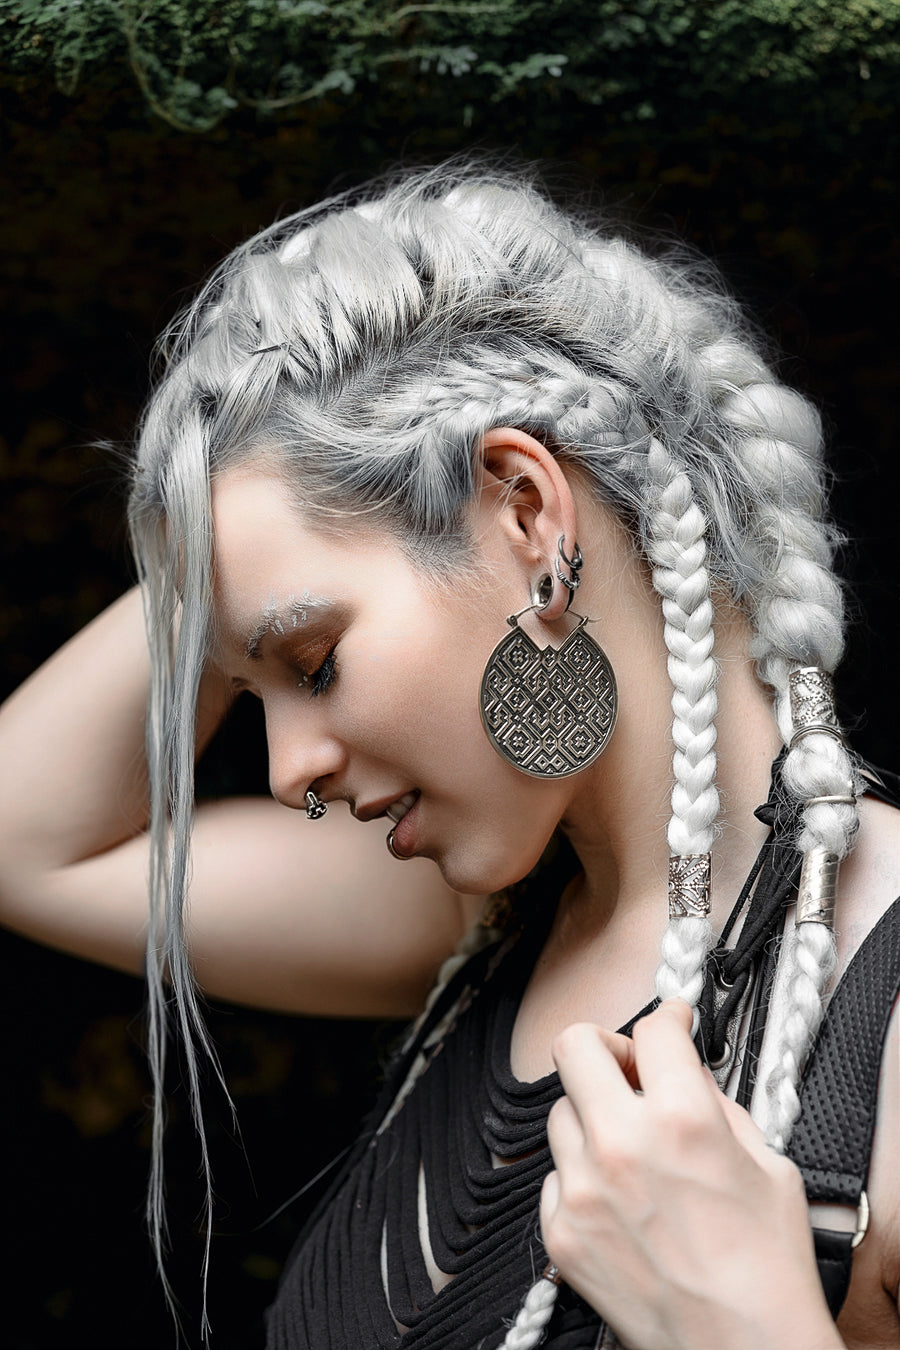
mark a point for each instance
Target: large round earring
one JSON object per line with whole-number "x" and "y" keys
{"x": 548, "y": 712}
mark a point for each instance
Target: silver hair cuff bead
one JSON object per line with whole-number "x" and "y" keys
{"x": 812, "y": 704}
{"x": 315, "y": 807}
{"x": 689, "y": 885}
{"x": 818, "y": 887}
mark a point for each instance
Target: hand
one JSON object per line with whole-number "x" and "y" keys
{"x": 667, "y": 1210}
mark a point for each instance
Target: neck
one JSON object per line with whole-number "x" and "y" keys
{"x": 616, "y": 820}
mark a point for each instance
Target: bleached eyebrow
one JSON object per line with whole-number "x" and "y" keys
{"x": 284, "y": 619}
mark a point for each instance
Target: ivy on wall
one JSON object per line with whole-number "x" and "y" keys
{"x": 198, "y": 61}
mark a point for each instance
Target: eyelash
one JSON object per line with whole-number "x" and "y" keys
{"x": 323, "y": 678}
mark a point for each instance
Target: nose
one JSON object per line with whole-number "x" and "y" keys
{"x": 301, "y": 752}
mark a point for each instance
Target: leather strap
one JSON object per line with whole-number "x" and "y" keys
{"x": 832, "y": 1141}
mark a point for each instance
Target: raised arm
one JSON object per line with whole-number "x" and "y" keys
{"x": 282, "y": 914}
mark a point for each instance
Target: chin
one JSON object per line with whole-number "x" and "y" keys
{"x": 485, "y": 872}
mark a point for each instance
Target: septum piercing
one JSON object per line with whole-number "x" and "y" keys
{"x": 315, "y": 807}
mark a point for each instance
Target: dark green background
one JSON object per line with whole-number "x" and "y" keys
{"x": 109, "y": 218}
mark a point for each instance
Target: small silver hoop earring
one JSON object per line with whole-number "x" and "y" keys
{"x": 574, "y": 564}
{"x": 315, "y": 807}
{"x": 401, "y": 857}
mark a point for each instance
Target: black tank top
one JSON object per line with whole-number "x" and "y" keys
{"x": 430, "y": 1167}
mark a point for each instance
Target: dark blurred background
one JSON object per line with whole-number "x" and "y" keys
{"x": 138, "y": 146}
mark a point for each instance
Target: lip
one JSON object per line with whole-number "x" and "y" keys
{"x": 375, "y": 810}
{"x": 406, "y": 830}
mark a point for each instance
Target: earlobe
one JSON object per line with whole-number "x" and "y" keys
{"x": 531, "y": 499}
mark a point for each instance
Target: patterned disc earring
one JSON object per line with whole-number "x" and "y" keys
{"x": 549, "y": 712}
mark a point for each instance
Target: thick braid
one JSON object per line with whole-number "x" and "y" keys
{"x": 678, "y": 551}
{"x": 799, "y": 621}
{"x": 531, "y": 1320}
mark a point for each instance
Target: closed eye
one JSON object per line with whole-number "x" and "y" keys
{"x": 325, "y": 676}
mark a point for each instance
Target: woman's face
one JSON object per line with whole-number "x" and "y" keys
{"x": 370, "y": 680}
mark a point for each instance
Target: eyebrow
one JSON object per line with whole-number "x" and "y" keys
{"x": 285, "y": 619}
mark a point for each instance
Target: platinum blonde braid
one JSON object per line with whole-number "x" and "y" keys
{"x": 537, "y": 1307}
{"x": 799, "y": 622}
{"x": 680, "y": 576}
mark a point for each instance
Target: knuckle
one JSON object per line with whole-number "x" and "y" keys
{"x": 560, "y": 1243}
{"x": 559, "y": 1115}
{"x": 615, "y": 1157}
{"x": 600, "y": 1142}
{"x": 788, "y": 1176}
{"x": 579, "y": 1197}
{"x": 567, "y": 1042}
{"x": 684, "y": 1116}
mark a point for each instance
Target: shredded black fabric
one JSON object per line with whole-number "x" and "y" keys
{"x": 482, "y": 1219}
{"x": 358, "y": 1278}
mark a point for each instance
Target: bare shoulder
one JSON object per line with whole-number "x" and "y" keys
{"x": 870, "y": 877}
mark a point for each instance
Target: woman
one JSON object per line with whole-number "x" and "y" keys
{"x": 518, "y": 539}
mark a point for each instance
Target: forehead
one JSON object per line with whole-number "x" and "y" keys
{"x": 254, "y": 513}
{"x": 269, "y": 560}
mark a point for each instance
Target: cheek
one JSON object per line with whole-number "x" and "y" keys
{"x": 423, "y": 686}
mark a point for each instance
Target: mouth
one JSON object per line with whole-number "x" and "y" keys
{"x": 393, "y": 810}
{"x": 398, "y": 809}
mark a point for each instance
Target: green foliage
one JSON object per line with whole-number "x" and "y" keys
{"x": 197, "y": 61}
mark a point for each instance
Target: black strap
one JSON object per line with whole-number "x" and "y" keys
{"x": 832, "y": 1140}
{"x": 834, "y": 1257}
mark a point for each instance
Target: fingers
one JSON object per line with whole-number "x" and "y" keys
{"x": 596, "y": 1068}
{"x": 664, "y": 1053}
{"x": 745, "y": 1130}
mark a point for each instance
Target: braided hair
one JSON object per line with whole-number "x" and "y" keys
{"x": 365, "y": 346}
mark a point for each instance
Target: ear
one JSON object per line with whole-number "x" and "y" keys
{"x": 530, "y": 500}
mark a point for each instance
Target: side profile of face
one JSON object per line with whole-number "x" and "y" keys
{"x": 369, "y": 674}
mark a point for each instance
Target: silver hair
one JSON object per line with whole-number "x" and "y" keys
{"x": 363, "y": 347}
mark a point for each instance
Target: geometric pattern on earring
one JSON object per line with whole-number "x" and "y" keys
{"x": 315, "y": 807}
{"x": 548, "y": 712}
{"x": 689, "y": 885}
